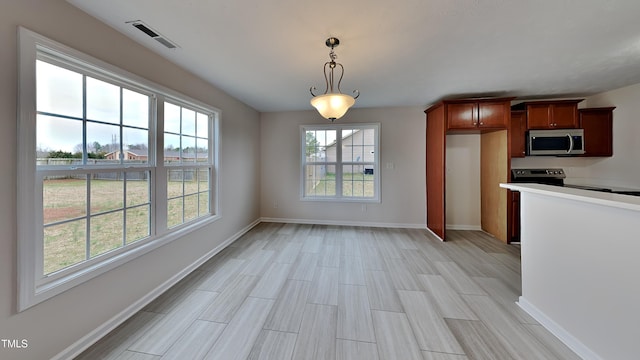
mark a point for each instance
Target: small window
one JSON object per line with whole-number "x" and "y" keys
{"x": 340, "y": 162}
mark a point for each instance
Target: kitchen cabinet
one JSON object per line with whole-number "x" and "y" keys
{"x": 558, "y": 114}
{"x": 435, "y": 165}
{"x": 598, "y": 131}
{"x": 517, "y": 133}
{"x": 490, "y": 118}
{"x": 477, "y": 114}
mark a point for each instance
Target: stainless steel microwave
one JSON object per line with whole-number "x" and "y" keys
{"x": 555, "y": 142}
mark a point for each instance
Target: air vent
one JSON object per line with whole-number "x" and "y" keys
{"x": 165, "y": 42}
{"x": 152, "y": 33}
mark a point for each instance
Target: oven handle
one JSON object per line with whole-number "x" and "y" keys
{"x": 570, "y": 143}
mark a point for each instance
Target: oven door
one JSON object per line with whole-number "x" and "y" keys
{"x": 555, "y": 142}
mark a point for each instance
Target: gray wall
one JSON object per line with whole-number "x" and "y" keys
{"x": 55, "y": 324}
{"x": 402, "y": 159}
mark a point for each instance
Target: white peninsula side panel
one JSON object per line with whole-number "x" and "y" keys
{"x": 581, "y": 267}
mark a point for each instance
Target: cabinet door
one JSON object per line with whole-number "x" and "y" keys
{"x": 462, "y": 115}
{"x": 493, "y": 115}
{"x": 539, "y": 116}
{"x": 598, "y": 131}
{"x": 564, "y": 116}
{"x": 517, "y": 133}
{"x": 435, "y": 170}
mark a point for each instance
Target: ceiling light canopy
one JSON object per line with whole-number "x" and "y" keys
{"x": 332, "y": 105}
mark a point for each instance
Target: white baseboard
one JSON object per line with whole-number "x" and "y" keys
{"x": 83, "y": 343}
{"x": 563, "y": 335}
{"x": 343, "y": 223}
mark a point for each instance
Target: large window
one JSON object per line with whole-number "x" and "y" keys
{"x": 340, "y": 162}
{"x": 109, "y": 166}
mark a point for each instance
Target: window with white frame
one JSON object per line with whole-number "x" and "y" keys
{"x": 110, "y": 166}
{"x": 340, "y": 162}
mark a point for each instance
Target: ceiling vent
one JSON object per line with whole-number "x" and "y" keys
{"x": 152, "y": 33}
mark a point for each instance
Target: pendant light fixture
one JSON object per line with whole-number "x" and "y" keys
{"x": 332, "y": 105}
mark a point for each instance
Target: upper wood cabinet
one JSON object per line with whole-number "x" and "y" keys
{"x": 558, "y": 114}
{"x": 598, "y": 131}
{"x": 474, "y": 114}
{"x": 517, "y": 133}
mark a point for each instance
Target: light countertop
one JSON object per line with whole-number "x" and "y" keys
{"x": 594, "y": 197}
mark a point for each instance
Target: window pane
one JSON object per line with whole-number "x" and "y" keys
{"x": 58, "y": 135}
{"x": 171, "y": 148}
{"x": 190, "y": 207}
{"x": 202, "y": 152}
{"x": 202, "y": 126}
{"x": 369, "y": 153}
{"x": 171, "y": 118}
{"x": 358, "y": 180}
{"x": 106, "y": 232}
{"x": 174, "y": 212}
{"x": 135, "y": 109}
{"x": 347, "y": 180}
{"x": 59, "y": 91}
{"x": 138, "y": 188}
{"x": 64, "y": 198}
{"x": 174, "y": 183}
{"x": 188, "y": 122}
{"x": 137, "y": 223}
{"x": 203, "y": 208}
{"x": 320, "y": 180}
{"x": 107, "y": 192}
{"x": 64, "y": 245}
{"x": 188, "y": 149}
{"x": 136, "y": 143}
{"x": 203, "y": 180}
{"x": 103, "y": 101}
{"x": 328, "y": 141}
{"x": 368, "y": 137}
{"x": 190, "y": 181}
{"x": 102, "y": 139}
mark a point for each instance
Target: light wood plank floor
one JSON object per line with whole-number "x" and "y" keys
{"x": 289, "y": 291}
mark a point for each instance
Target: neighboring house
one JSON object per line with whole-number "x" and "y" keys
{"x": 142, "y": 155}
{"x": 132, "y": 154}
{"x": 357, "y": 146}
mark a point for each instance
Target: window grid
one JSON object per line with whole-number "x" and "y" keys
{"x": 187, "y": 163}
{"x": 75, "y": 125}
{"x": 340, "y": 162}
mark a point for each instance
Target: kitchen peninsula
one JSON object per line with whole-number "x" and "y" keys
{"x": 580, "y": 267}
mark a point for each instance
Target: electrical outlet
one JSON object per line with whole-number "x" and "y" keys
{"x": 275, "y": 204}
{"x": 364, "y": 207}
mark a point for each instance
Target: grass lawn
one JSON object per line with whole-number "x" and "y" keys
{"x": 353, "y": 185}
{"x": 111, "y": 224}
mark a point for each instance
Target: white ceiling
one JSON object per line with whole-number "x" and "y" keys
{"x": 267, "y": 53}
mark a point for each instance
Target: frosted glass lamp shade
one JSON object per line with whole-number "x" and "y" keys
{"x": 332, "y": 106}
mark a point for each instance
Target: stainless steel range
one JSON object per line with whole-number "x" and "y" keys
{"x": 538, "y": 176}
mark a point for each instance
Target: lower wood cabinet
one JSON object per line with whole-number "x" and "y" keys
{"x": 514, "y": 216}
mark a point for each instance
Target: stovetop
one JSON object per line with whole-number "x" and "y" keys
{"x": 557, "y": 176}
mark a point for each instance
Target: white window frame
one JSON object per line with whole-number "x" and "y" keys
{"x": 33, "y": 286}
{"x": 339, "y": 163}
